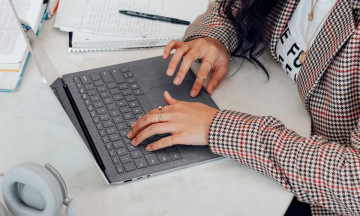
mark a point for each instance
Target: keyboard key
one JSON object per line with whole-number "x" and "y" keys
{"x": 138, "y": 92}
{"x": 111, "y": 85}
{"x": 117, "y": 76}
{"x": 134, "y": 86}
{"x": 101, "y": 89}
{"x": 76, "y": 79}
{"x": 129, "y": 167}
{"x": 92, "y": 92}
{"x": 130, "y": 75}
{"x": 140, "y": 163}
{"x": 125, "y": 159}
{"x": 115, "y": 160}
{"x": 108, "y": 123}
{"x": 96, "y": 120}
{"x": 114, "y": 137}
{"x": 99, "y": 126}
{"x": 121, "y": 103}
{"x": 85, "y": 96}
{"x": 143, "y": 143}
{"x": 118, "y": 144}
{"x": 128, "y": 116}
{"x": 121, "y": 151}
{"x": 95, "y": 98}
{"x": 131, "y": 80}
{"x": 83, "y": 91}
{"x": 102, "y": 132}
{"x": 79, "y": 85}
{"x": 105, "y": 139}
{"x": 119, "y": 168}
{"x": 118, "y": 97}
{"x": 93, "y": 114}
{"x": 87, "y": 102}
{"x": 111, "y": 130}
{"x": 126, "y": 92}
{"x": 95, "y": 76}
{"x": 153, "y": 138}
{"x": 137, "y": 110}
{"x": 114, "y": 113}
{"x": 106, "y": 76}
{"x": 126, "y": 140}
{"x": 98, "y": 104}
{"x": 85, "y": 79}
{"x": 130, "y": 122}
{"x": 145, "y": 152}
{"x": 124, "y": 109}
{"x": 124, "y": 133}
{"x": 126, "y": 76}
{"x": 174, "y": 154}
{"x": 108, "y": 100}
{"x": 133, "y": 104}
{"x": 131, "y": 147}
{"x": 89, "y": 86}
{"x": 108, "y": 146}
{"x": 163, "y": 157}
{"x": 114, "y": 91}
{"x": 101, "y": 110}
{"x": 104, "y": 117}
{"x": 139, "y": 116}
{"x": 110, "y": 107}
{"x": 124, "y": 69}
{"x": 135, "y": 154}
{"x": 105, "y": 94}
{"x": 121, "y": 126}
{"x": 123, "y": 86}
{"x": 130, "y": 98}
{"x": 118, "y": 119}
{"x": 98, "y": 83}
{"x": 151, "y": 159}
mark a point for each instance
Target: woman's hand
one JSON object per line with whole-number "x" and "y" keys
{"x": 188, "y": 123}
{"x": 208, "y": 49}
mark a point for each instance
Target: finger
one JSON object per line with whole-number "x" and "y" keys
{"x": 162, "y": 143}
{"x": 170, "y": 46}
{"x": 168, "y": 99}
{"x": 204, "y": 70}
{"x": 189, "y": 58}
{"x": 216, "y": 78}
{"x": 179, "y": 53}
{"x": 153, "y": 129}
{"x": 147, "y": 120}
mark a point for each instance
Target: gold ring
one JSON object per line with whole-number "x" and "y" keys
{"x": 187, "y": 46}
{"x": 161, "y": 109}
{"x": 160, "y": 117}
{"x": 203, "y": 79}
{"x": 204, "y": 60}
{"x": 172, "y": 138}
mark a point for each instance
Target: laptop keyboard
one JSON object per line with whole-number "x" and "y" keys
{"x": 115, "y": 101}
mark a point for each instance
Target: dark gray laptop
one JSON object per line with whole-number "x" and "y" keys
{"x": 102, "y": 104}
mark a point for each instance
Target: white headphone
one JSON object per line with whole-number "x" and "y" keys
{"x": 30, "y": 189}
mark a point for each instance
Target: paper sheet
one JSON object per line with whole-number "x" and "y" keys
{"x": 103, "y": 17}
{"x": 29, "y": 11}
{"x": 9, "y": 81}
{"x": 12, "y": 42}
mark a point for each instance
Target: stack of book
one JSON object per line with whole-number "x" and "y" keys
{"x": 14, "y": 52}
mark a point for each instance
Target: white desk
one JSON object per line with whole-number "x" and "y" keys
{"x": 34, "y": 128}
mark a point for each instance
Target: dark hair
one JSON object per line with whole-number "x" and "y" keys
{"x": 249, "y": 18}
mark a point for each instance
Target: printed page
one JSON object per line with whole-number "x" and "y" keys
{"x": 29, "y": 11}
{"x": 103, "y": 17}
{"x": 12, "y": 42}
{"x": 9, "y": 81}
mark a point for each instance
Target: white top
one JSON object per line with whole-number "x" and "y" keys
{"x": 293, "y": 40}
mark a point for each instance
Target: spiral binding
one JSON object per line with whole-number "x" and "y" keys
{"x": 119, "y": 45}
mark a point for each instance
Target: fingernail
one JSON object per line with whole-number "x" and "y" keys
{"x": 133, "y": 141}
{"x": 168, "y": 72}
{"x": 211, "y": 90}
{"x": 148, "y": 148}
{"x": 133, "y": 125}
{"x": 193, "y": 93}
{"x": 177, "y": 81}
{"x": 164, "y": 55}
{"x": 129, "y": 134}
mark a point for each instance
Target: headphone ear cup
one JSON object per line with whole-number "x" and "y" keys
{"x": 2, "y": 210}
{"x": 39, "y": 178}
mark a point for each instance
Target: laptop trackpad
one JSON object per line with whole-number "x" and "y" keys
{"x": 181, "y": 92}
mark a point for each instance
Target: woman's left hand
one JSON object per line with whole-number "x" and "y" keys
{"x": 188, "y": 123}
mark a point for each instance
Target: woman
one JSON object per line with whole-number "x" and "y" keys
{"x": 317, "y": 43}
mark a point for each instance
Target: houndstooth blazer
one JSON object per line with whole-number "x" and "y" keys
{"x": 323, "y": 169}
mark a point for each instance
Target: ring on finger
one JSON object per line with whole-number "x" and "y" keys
{"x": 173, "y": 141}
{"x": 160, "y": 117}
{"x": 187, "y": 46}
{"x": 203, "y": 79}
{"x": 161, "y": 109}
{"x": 204, "y": 60}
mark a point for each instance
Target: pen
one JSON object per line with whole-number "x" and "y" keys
{"x": 154, "y": 17}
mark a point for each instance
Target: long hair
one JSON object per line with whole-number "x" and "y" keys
{"x": 249, "y": 18}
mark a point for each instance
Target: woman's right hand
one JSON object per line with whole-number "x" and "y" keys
{"x": 205, "y": 48}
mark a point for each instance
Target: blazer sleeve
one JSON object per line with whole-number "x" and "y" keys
{"x": 317, "y": 171}
{"x": 211, "y": 24}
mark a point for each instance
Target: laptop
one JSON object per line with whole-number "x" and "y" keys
{"x": 102, "y": 103}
